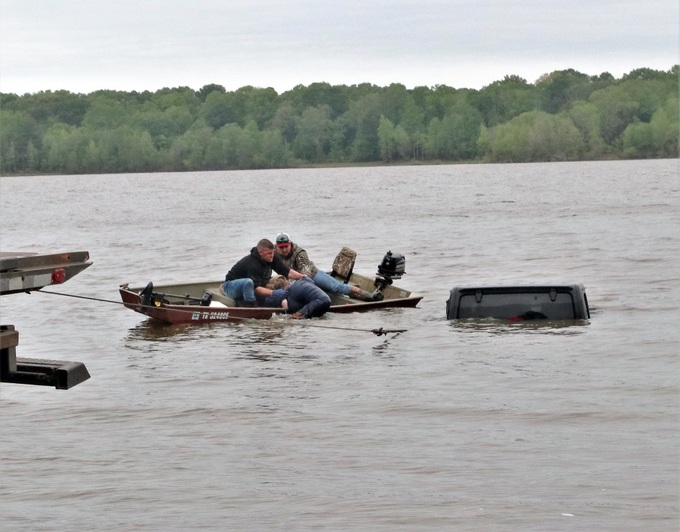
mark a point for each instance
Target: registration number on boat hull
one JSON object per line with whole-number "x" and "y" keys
{"x": 197, "y": 316}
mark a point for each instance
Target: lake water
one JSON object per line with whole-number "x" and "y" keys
{"x": 320, "y": 424}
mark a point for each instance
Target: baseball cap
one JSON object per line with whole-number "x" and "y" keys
{"x": 282, "y": 239}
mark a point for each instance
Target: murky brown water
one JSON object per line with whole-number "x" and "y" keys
{"x": 321, "y": 424}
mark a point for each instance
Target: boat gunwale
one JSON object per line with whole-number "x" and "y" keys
{"x": 234, "y": 313}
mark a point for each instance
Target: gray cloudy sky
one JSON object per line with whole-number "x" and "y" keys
{"x": 85, "y": 45}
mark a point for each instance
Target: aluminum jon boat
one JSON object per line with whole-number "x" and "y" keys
{"x": 205, "y": 302}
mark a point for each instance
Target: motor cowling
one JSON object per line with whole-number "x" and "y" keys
{"x": 393, "y": 266}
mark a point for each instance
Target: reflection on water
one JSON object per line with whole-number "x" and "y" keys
{"x": 387, "y": 350}
{"x": 497, "y": 326}
{"x": 155, "y": 330}
{"x": 255, "y": 330}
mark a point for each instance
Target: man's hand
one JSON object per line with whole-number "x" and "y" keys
{"x": 293, "y": 274}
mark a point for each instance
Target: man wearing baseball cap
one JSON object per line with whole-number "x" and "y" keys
{"x": 296, "y": 258}
{"x": 246, "y": 281}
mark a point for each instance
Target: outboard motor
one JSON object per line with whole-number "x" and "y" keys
{"x": 393, "y": 266}
{"x": 150, "y": 298}
{"x": 147, "y": 297}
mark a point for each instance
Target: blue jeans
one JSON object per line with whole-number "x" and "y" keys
{"x": 240, "y": 289}
{"x": 307, "y": 299}
{"x": 331, "y": 284}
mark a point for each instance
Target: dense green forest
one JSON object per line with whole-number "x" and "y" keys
{"x": 564, "y": 116}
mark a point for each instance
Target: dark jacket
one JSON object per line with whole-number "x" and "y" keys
{"x": 253, "y": 267}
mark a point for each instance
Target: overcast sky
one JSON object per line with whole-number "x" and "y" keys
{"x": 86, "y": 45}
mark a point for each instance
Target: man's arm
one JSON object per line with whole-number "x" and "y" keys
{"x": 279, "y": 267}
{"x": 303, "y": 264}
{"x": 263, "y": 291}
{"x": 294, "y": 274}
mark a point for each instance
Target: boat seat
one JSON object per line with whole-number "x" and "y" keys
{"x": 343, "y": 265}
{"x": 219, "y": 295}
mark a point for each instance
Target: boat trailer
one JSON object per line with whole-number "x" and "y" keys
{"x": 25, "y": 272}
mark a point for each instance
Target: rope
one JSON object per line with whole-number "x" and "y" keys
{"x": 79, "y": 297}
{"x": 377, "y": 332}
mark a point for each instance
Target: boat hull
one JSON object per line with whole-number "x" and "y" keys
{"x": 184, "y": 312}
{"x": 182, "y": 303}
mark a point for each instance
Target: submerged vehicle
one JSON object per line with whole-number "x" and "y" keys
{"x": 519, "y": 303}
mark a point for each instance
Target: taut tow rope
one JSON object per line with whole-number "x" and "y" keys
{"x": 41, "y": 291}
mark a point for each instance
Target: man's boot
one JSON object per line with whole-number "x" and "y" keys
{"x": 363, "y": 295}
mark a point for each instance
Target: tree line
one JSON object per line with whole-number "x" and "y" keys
{"x": 564, "y": 116}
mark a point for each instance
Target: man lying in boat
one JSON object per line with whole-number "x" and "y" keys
{"x": 303, "y": 298}
{"x": 294, "y": 256}
{"x": 246, "y": 282}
